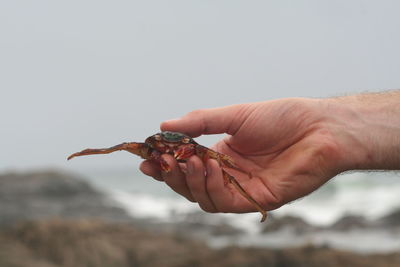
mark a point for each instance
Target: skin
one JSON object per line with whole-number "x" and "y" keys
{"x": 290, "y": 146}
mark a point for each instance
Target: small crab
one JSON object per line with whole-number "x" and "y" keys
{"x": 182, "y": 147}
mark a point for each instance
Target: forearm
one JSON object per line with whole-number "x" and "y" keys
{"x": 372, "y": 128}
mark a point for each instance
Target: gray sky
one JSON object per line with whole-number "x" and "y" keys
{"x": 77, "y": 74}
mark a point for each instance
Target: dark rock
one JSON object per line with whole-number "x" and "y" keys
{"x": 391, "y": 220}
{"x": 44, "y": 194}
{"x": 293, "y": 223}
{"x": 85, "y": 243}
{"x": 350, "y": 222}
{"x": 196, "y": 225}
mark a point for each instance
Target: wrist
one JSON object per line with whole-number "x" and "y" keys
{"x": 369, "y": 126}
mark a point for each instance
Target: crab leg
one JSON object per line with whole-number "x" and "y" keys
{"x": 140, "y": 149}
{"x": 156, "y": 157}
{"x": 227, "y": 162}
{"x": 223, "y": 160}
{"x": 230, "y": 179}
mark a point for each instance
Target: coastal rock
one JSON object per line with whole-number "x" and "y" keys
{"x": 391, "y": 220}
{"x": 350, "y": 222}
{"x": 87, "y": 243}
{"x": 46, "y": 194}
{"x": 198, "y": 225}
{"x": 295, "y": 224}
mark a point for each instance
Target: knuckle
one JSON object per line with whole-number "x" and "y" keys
{"x": 207, "y": 208}
{"x": 195, "y": 113}
{"x": 222, "y": 207}
{"x": 188, "y": 195}
{"x": 191, "y": 199}
{"x": 199, "y": 116}
{"x": 276, "y": 202}
{"x": 158, "y": 177}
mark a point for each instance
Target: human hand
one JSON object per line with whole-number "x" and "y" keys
{"x": 290, "y": 146}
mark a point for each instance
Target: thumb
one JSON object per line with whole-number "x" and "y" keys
{"x": 208, "y": 121}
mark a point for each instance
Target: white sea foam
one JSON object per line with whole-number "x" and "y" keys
{"x": 368, "y": 194}
{"x": 361, "y": 241}
{"x": 146, "y": 205}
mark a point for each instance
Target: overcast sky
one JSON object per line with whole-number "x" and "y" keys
{"x": 77, "y": 74}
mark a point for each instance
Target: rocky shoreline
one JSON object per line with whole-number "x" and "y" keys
{"x": 48, "y": 194}
{"x": 58, "y": 219}
{"x": 92, "y": 243}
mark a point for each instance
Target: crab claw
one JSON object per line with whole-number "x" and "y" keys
{"x": 184, "y": 152}
{"x": 164, "y": 165}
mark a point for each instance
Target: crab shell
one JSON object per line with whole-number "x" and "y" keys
{"x": 170, "y": 142}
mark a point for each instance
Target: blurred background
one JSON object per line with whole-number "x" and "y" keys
{"x": 77, "y": 74}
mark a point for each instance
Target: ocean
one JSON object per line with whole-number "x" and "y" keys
{"x": 368, "y": 194}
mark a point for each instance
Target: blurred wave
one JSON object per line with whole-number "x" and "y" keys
{"x": 346, "y": 213}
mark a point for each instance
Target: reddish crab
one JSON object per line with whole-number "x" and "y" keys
{"x": 181, "y": 147}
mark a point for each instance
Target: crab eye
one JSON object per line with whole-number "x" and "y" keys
{"x": 157, "y": 137}
{"x": 185, "y": 140}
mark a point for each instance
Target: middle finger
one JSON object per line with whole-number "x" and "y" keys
{"x": 196, "y": 181}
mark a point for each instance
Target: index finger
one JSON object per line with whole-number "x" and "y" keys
{"x": 209, "y": 121}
